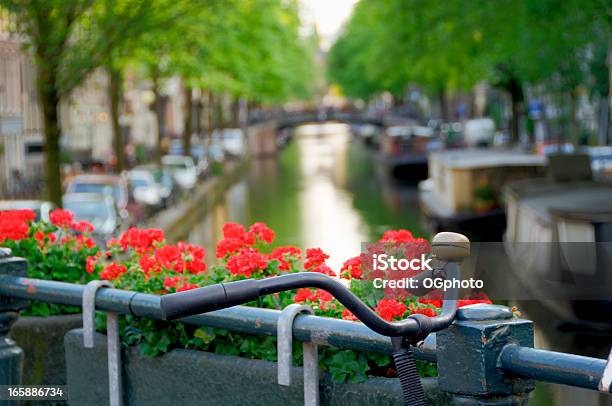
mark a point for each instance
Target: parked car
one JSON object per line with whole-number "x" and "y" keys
{"x": 41, "y": 208}
{"x": 111, "y": 185}
{"x": 145, "y": 189}
{"x": 216, "y": 152}
{"x": 163, "y": 177}
{"x": 233, "y": 142}
{"x": 98, "y": 209}
{"x": 183, "y": 170}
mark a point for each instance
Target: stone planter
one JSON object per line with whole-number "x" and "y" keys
{"x": 42, "y": 341}
{"x": 185, "y": 377}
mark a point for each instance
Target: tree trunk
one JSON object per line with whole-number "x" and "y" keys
{"x": 443, "y": 105}
{"x": 219, "y": 113}
{"x": 49, "y": 99}
{"x": 188, "y": 127}
{"x": 161, "y": 122}
{"x": 573, "y": 135}
{"x": 114, "y": 95}
{"x": 236, "y": 113}
{"x": 517, "y": 98}
{"x": 603, "y": 120}
{"x": 210, "y": 106}
{"x": 198, "y": 117}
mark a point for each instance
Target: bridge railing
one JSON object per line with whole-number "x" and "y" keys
{"x": 485, "y": 357}
{"x": 286, "y": 119}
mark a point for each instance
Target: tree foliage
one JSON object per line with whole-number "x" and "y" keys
{"x": 452, "y": 45}
{"x": 250, "y": 49}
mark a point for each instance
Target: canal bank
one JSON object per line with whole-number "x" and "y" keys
{"x": 178, "y": 220}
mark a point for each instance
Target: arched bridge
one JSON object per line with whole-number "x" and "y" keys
{"x": 294, "y": 119}
{"x": 265, "y": 130}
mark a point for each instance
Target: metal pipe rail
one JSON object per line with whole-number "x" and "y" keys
{"x": 514, "y": 360}
{"x": 553, "y": 367}
{"x": 244, "y": 319}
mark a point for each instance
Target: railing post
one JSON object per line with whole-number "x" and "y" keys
{"x": 468, "y": 353}
{"x": 11, "y": 356}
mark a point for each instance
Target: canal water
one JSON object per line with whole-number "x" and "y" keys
{"x": 323, "y": 190}
{"x": 326, "y": 190}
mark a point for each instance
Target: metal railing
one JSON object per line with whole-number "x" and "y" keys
{"x": 486, "y": 353}
{"x": 243, "y": 319}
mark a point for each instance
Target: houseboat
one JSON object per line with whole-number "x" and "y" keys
{"x": 404, "y": 150}
{"x": 559, "y": 240}
{"x": 463, "y": 191}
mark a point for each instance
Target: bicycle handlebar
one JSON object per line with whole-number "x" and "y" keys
{"x": 223, "y": 295}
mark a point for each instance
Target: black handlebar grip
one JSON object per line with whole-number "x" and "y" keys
{"x": 208, "y": 299}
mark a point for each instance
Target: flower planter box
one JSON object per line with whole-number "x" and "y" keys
{"x": 42, "y": 341}
{"x": 184, "y": 377}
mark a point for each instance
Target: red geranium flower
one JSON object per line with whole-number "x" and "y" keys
{"x": 397, "y": 236}
{"x": 314, "y": 258}
{"x": 170, "y": 257}
{"x": 229, "y": 245}
{"x": 148, "y": 264}
{"x": 141, "y": 240}
{"x": 262, "y": 232}
{"x": 113, "y": 271}
{"x": 187, "y": 286}
{"x": 324, "y": 269}
{"x": 389, "y": 309}
{"x": 427, "y": 311}
{"x": 235, "y": 230}
{"x": 246, "y": 262}
{"x": 172, "y": 281}
{"x": 352, "y": 268}
{"x": 90, "y": 265}
{"x": 25, "y": 215}
{"x": 14, "y": 224}
{"x": 283, "y": 254}
{"x": 83, "y": 226}
{"x": 348, "y": 315}
{"x": 323, "y": 295}
{"x": 61, "y": 218}
{"x": 84, "y": 241}
{"x": 303, "y": 295}
{"x": 467, "y": 302}
{"x": 433, "y": 302}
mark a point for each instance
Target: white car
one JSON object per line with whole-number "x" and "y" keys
{"x": 183, "y": 170}
{"x": 145, "y": 189}
{"x": 98, "y": 209}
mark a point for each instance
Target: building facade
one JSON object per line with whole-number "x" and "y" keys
{"x": 21, "y": 140}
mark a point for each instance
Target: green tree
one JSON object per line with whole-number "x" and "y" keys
{"x": 50, "y": 27}
{"x": 451, "y": 45}
{"x": 69, "y": 40}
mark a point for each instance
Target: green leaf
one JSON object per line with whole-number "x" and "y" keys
{"x": 207, "y": 335}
